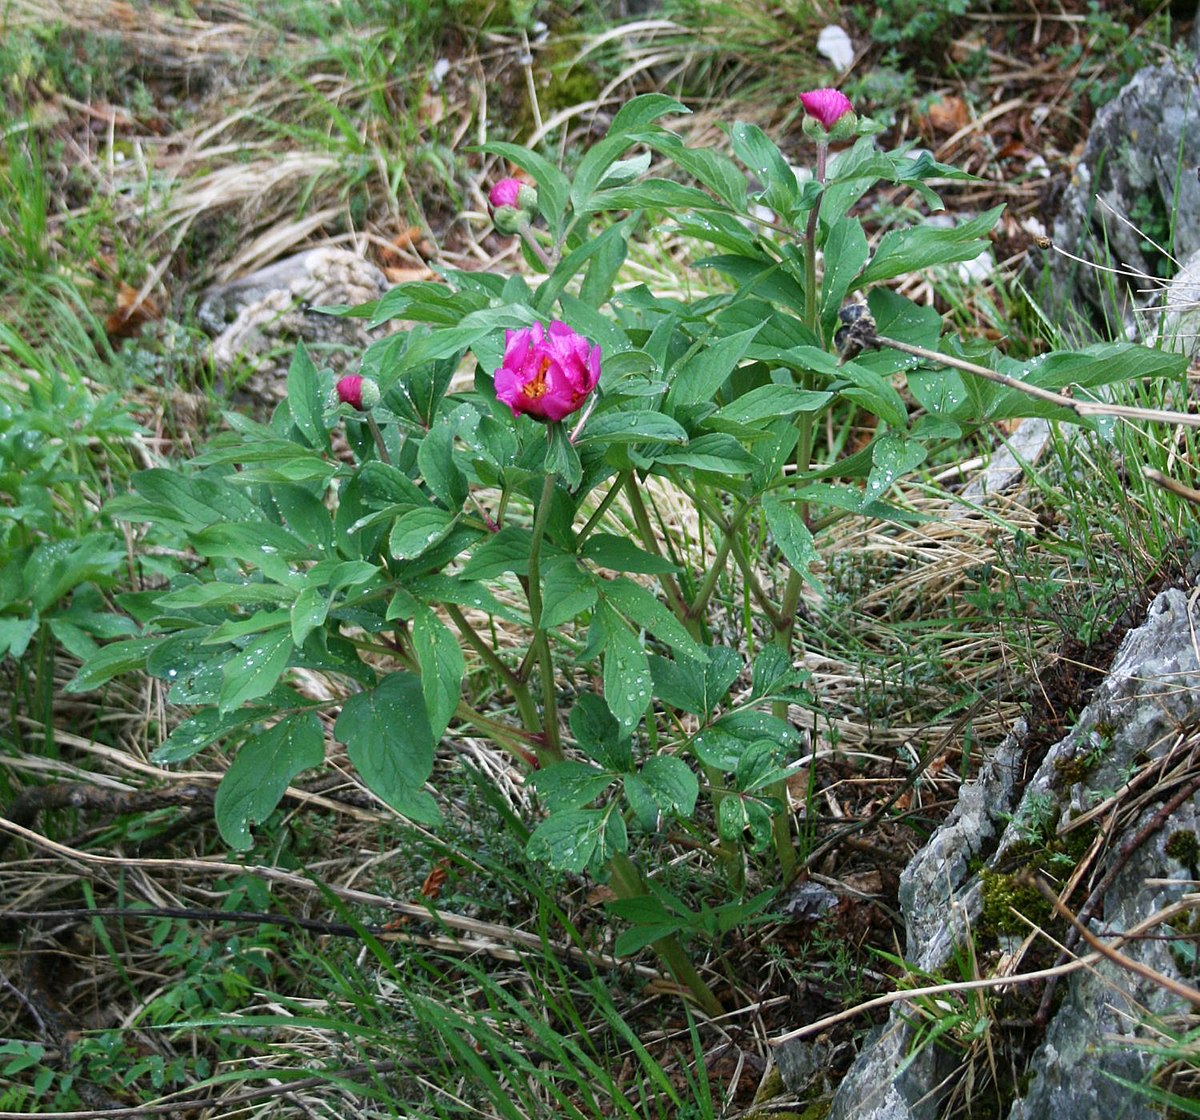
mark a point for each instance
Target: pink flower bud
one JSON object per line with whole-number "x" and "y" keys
{"x": 547, "y": 373}
{"x": 358, "y": 392}
{"x": 827, "y": 106}
{"x": 504, "y": 193}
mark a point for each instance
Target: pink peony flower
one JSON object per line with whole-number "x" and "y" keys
{"x": 827, "y": 106}
{"x": 505, "y": 193}
{"x": 358, "y": 392}
{"x": 547, "y": 373}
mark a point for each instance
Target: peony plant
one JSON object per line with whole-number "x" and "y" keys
{"x": 523, "y": 506}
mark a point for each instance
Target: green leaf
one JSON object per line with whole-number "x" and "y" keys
{"x": 576, "y": 838}
{"x": 643, "y": 609}
{"x": 627, "y": 684}
{"x": 567, "y": 590}
{"x": 663, "y": 195}
{"x": 902, "y": 251}
{"x": 746, "y": 820}
{"x": 419, "y": 530}
{"x": 253, "y": 671}
{"x": 758, "y": 767}
{"x": 672, "y": 785}
{"x": 792, "y": 536}
{"x": 769, "y": 402}
{"x": 698, "y": 693}
{"x": 846, "y": 251}
{"x": 264, "y": 767}
{"x": 717, "y": 452}
{"x": 717, "y": 172}
{"x": 198, "y": 731}
{"x": 505, "y": 551}
{"x": 435, "y": 458}
{"x": 111, "y": 661}
{"x": 875, "y": 393}
{"x": 598, "y": 734}
{"x": 561, "y": 457}
{"x": 644, "y": 109}
{"x": 390, "y": 743}
{"x": 699, "y": 378}
{"x": 186, "y": 503}
{"x": 620, "y": 554}
{"x": 631, "y": 427}
{"x": 442, "y": 668}
{"x": 892, "y": 459}
{"x": 304, "y": 400}
{"x": 308, "y": 612}
{"x": 774, "y": 675}
{"x": 752, "y": 146}
{"x": 570, "y": 784}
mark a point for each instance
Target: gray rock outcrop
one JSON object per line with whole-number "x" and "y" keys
{"x": 1133, "y": 751}
{"x": 1136, "y": 182}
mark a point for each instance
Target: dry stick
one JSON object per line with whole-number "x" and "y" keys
{"x": 888, "y": 998}
{"x": 446, "y": 918}
{"x": 1124, "y": 852}
{"x": 1080, "y": 408}
{"x": 1191, "y": 995}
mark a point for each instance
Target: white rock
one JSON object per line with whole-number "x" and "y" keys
{"x": 834, "y": 44}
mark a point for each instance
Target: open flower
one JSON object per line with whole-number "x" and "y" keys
{"x": 547, "y": 372}
{"x": 358, "y": 392}
{"x": 832, "y": 111}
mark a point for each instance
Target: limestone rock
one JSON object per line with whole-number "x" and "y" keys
{"x": 1152, "y": 691}
{"x": 259, "y": 319}
{"x": 1140, "y": 161}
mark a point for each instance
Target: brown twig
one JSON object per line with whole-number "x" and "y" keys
{"x": 1191, "y": 995}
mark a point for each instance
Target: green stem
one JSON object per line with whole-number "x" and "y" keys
{"x": 728, "y": 532}
{"x": 518, "y": 688}
{"x": 785, "y": 620}
{"x": 602, "y": 508}
{"x": 627, "y": 883}
{"x": 541, "y": 641}
{"x": 646, "y": 531}
{"x": 380, "y": 446}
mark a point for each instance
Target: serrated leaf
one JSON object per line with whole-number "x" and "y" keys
{"x": 442, "y": 668}
{"x": 264, "y": 767}
{"x": 390, "y": 743}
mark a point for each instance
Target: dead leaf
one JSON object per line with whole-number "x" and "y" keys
{"x": 130, "y": 314}
{"x": 949, "y": 115}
